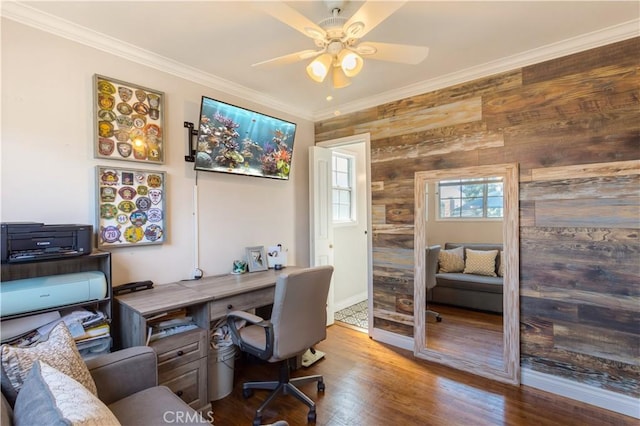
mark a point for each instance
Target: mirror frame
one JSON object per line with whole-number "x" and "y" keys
{"x": 510, "y": 301}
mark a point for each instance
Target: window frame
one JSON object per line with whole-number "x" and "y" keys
{"x": 486, "y": 181}
{"x": 351, "y": 189}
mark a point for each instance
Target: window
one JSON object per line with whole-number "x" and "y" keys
{"x": 480, "y": 198}
{"x": 343, "y": 189}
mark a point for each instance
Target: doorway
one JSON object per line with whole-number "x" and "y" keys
{"x": 350, "y": 240}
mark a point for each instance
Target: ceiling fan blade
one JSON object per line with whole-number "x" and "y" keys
{"x": 293, "y": 18}
{"x": 370, "y": 14}
{"x": 289, "y": 59}
{"x": 403, "y": 53}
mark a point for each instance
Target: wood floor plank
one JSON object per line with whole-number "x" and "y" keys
{"x": 369, "y": 383}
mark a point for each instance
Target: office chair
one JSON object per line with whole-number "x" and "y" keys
{"x": 298, "y": 321}
{"x": 431, "y": 269}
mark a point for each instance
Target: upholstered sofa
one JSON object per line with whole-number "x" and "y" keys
{"x": 479, "y": 291}
{"x": 126, "y": 383}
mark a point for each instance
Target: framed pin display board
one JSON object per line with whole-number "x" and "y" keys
{"x": 128, "y": 121}
{"x": 130, "y": 208}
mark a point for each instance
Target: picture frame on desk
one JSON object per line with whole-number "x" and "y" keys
{"x": 256, "y": 258}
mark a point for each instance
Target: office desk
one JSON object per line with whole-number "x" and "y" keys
{"x": 207, "y": 299}
{"x": 182, "y": 357}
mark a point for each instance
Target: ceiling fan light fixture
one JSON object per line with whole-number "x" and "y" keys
{"x": 318, "y": 69}
{"x": 314, "y": 33}
{"x": 354, "y": 30}
{"x": 339, "y": 79}
{"x": 350, "y": 62}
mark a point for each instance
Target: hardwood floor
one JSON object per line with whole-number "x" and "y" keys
{"x": 370, "y": 383}
{"x": 466, "y": 333}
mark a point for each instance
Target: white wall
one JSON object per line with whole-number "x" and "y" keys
{"x": 48, "y": 169}
{"x": 350, "y": 241}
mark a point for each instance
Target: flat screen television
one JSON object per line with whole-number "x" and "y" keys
{"x": 240, "y": 141}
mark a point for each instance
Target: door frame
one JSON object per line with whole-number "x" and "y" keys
{"x": 342, "y": 142}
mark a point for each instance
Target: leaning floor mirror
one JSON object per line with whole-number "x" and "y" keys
{"x": 436, "y": 335}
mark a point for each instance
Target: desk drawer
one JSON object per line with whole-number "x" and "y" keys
{"x": 188, "y": 381}
{"x": 180, "y": 348}
{"x": 240, "y": 302}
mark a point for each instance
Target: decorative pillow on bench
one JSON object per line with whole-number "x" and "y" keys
{"x": 59, "y": 351}
{"x": 481, "y": 262}
{"x": 51, "y": 397}
{"x": 451, "y": 260}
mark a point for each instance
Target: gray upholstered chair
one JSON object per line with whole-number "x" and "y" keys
{"x": 298, "y": 321}
{"x": 430, "y": 272}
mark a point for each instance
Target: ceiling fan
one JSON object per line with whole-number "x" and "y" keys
{"x": 340, "y": 50}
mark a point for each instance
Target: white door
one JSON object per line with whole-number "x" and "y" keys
{"x": 320, "y": 210}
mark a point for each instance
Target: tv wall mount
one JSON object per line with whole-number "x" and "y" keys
{"x": 191, "y": 151}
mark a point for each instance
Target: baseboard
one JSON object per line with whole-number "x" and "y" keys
{"x": 350, "y": 301}
{"x": 602, "y": 398}
{"x": 382, "y": 336}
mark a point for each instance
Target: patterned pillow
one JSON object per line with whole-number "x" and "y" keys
{"x": 451, "y": 260}
{"x": 50, "y": 397}
{"x": 481, "y": 262}
{"x": 501, "y": 267}
{"x": 59, "y": 351}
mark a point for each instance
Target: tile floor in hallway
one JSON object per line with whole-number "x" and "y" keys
{"x": 355, "y": 315}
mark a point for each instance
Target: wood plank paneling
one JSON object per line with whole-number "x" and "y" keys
{"x": 581, "y": 188}
{"x": 597, "y": 90}
{"x": 581, "y": 171}
{"x": 573, "y": 126}
{"x": 589, "y": 212}
{"x": 445, "y": 145}
{"x": 625, "y": 52}
{"x": 464, "y": 111}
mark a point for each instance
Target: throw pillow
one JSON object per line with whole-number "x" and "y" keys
{"x": 49, "y": 397}
{"x": 501, "y": 267}
{"x": 59, "y": 351}
{"x": 451, "y": 260}
{"x": 481, "y": 262}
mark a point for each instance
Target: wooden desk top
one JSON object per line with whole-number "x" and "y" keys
{"x": 165, "y": 297}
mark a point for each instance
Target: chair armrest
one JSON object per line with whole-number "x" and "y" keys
{"x": 123, "y": 373}
{"x": 431, "y": 266}
{"x": 242, "y": 315}
{"x": 255, "y": 321}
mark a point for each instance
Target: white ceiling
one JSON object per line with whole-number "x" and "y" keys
{"x": 215, "y": 42}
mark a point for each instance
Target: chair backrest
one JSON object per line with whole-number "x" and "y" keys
{"x": 431, "y": 266}
{"x": 299, "y": 314}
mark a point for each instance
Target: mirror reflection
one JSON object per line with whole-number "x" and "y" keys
{"x": 466, "y": 269}
{"x": 464, "y": 272}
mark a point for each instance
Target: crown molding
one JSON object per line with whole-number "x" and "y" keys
{"x": 35, "y": 18}
{"x": 27, "y": 15}
{"x": 566, "y": 47}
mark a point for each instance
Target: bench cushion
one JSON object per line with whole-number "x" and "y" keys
{"x": 470, "y": 282}
{"x": 155, "y": 406}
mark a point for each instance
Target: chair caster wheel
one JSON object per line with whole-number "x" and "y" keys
{"x": 247, "y": 392}
{"x": 439, "y": 319}
{"x": 320, "y": 386}
{"x": 257, "y": 421}
{"x": 311, "y": 417}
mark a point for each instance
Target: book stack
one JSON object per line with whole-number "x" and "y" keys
{"x": 90, "y": 330}
{"x": 168, "y": 323}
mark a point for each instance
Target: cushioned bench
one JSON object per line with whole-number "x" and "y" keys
{"x": 468, "y": 290}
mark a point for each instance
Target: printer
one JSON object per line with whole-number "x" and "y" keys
{"x": 31, "y": 241}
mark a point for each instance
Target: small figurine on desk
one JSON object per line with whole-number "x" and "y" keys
{"x": 239, "y": 267}
{"x": 277, "y": 257}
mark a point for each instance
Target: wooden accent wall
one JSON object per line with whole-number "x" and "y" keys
{"x": 573, "y": 125}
